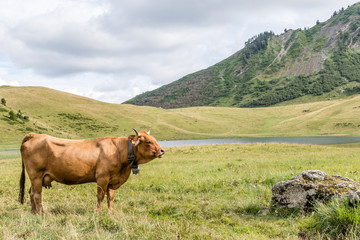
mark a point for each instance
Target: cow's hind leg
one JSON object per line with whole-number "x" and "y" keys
{"x": 35, "y": 196}
{"x": 110, "y": 198}
{"x": 32, "y": 200}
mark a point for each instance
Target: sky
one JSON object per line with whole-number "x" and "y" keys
{"x": 113, "y": 50}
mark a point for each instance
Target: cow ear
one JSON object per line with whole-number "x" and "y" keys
{"x": 134, "y": 139}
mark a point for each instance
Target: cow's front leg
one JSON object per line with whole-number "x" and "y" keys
{"x": 102, "y": 186}
{"x": 110, "y": 198}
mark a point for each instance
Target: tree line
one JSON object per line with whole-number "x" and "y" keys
{"x": 12, "y": 115}
{"x": 342, "y": 67}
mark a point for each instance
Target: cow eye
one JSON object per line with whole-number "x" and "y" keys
{"x": 148, "y": 142}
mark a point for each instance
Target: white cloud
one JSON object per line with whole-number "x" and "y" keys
{"x": 9, "y": 83}
{"x": 112, "y": 50}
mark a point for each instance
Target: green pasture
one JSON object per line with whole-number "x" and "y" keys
{"x": 194, "y": 192}
{"x": 69, "y": 116}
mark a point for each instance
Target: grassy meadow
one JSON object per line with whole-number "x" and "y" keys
{"x": 70, "y": 116}
{"x": 197, "y": 192}
{"x": 194, "y": 192}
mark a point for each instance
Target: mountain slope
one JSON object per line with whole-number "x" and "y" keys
{"x": 69, "y": 116}
{"x": 320, "y": 61}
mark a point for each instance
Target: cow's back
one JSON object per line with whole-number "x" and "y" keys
{"x": 65, "y": 161}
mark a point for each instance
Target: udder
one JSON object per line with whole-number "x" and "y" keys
{"x": 46, "y": 182}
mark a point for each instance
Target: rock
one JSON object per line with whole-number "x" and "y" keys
{"x": 312, "y": 175}
{"x": 304, "y": 189}
{"x": 354, "y": 198}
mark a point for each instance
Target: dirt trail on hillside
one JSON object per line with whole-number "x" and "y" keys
{"x": 319, "y": 110}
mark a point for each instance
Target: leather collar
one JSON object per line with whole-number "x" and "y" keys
{"x": 132, "y": 159}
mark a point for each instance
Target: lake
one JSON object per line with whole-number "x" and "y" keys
{"x": 15, "y": 153}
{"x": 299, "y": 140}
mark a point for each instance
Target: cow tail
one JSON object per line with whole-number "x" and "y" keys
{"x": 22, "y": 176}
{"x": 22, "y": 184}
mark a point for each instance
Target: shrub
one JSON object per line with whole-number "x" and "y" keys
{"x": 12, "y": 116}
{"x": 3, "y": 109}
{"x": 29, "y": 129}
{"x": 19, "y": 114}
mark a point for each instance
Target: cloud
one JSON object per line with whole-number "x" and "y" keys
{"x": 9, "y": 83}
{"x": 112, "y": 50}
{"x": 114, "y": 91}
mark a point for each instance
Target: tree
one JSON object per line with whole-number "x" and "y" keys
{"x": 19, "y": 114}
{"x": 317, "y": 22}
{"x": 3, "y": 101}
{"x": 12, "y": 115}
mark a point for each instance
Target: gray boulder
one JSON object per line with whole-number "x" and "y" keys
{"x": 304, "y": 189}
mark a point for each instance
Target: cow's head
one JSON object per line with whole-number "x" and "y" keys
{"x": 145, "y": 147}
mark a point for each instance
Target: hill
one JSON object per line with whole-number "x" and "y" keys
{"x": 319, "y": 62}
{"x": 71, "y": 116}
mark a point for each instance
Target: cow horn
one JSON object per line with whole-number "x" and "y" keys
{"x": 137, "y": 133}
{"x": 148, "y": 132}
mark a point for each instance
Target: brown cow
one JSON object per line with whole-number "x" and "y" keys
{"x": 107, "y": 161}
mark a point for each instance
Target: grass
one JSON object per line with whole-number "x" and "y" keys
{"x": 69, "y": 116}
{"x": 335, "y": 220}
{"x": 194, "y": 192}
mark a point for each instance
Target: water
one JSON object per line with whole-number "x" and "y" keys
{"x": 15, "y": 153}
{"x": 299, "y": 140}
{"x": 7, "y": 154}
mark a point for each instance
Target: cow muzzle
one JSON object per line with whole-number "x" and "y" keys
{"x": 162, "y": 152}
